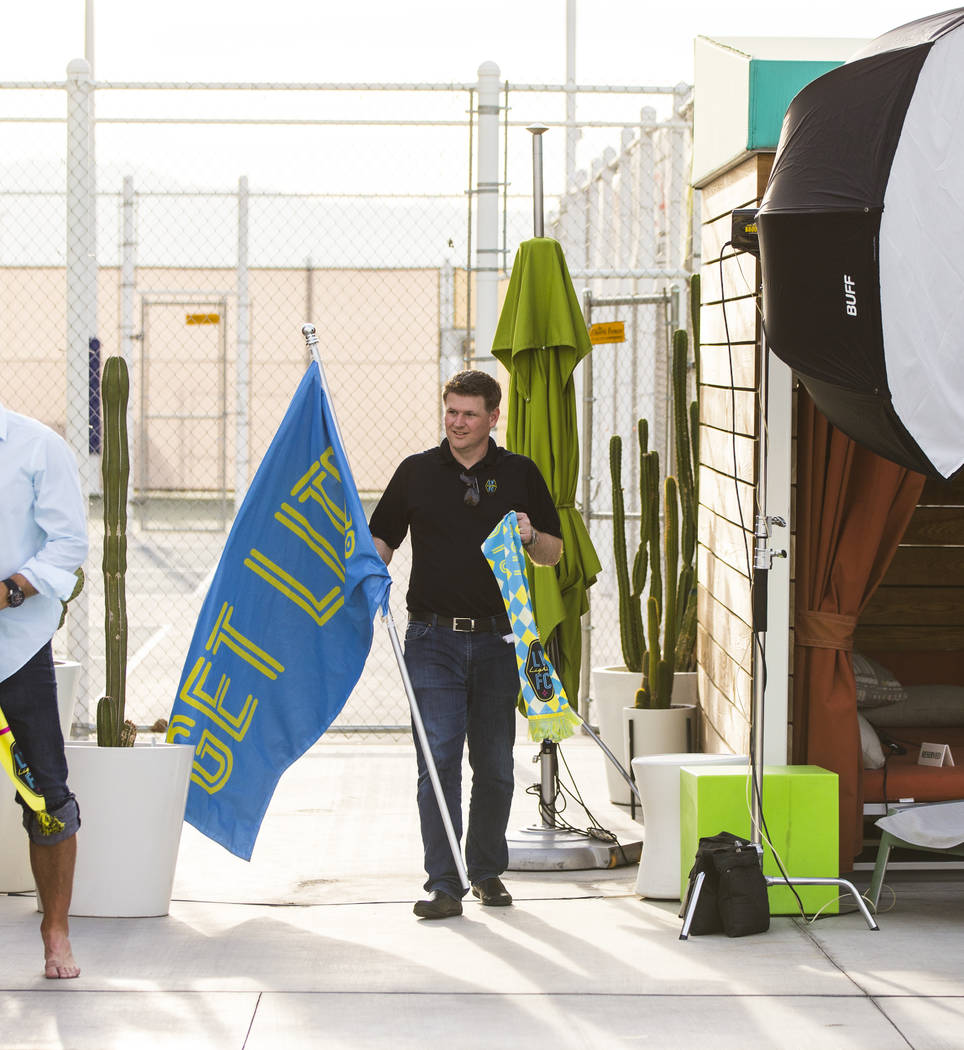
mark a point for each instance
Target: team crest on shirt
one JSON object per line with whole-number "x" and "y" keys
{"x": 490, "y": 486}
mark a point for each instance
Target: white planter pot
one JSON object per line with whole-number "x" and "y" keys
{"x": 15, "y": 873}
{"x": 132, "y": 803}
{"x": 657, "y": 731}
{"x": 684, "y": 691}
{"x": 614, "y": 690}
{"x": 68, "y": 674}
{"x": 663, "y": 731}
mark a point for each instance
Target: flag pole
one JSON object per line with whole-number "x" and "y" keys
{"x": 311, "y": 339}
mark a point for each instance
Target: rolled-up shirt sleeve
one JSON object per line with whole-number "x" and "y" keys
{"x": 59, "y": 514}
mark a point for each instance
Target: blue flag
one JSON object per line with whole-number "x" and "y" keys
{"x": 285, "y": 628}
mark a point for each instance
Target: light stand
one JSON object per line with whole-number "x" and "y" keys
{"x": 548, "y": 846}
{"x": 763, "y": 556}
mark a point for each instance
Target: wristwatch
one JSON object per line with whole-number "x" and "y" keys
{"x": 15, "y": 595}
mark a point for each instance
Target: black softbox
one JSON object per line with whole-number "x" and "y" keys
{"x": 861, "y": 233}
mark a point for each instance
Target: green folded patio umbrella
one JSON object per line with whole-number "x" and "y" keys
{"x": 540, "y": 338}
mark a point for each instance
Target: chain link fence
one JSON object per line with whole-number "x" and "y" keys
{"x": 194, "y": 228}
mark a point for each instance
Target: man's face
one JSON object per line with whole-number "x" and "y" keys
{"x": 467, "y": 423}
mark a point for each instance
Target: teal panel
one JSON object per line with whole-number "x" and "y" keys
{"x": 772, "y": 87}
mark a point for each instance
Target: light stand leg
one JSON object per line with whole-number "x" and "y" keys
{"x": 620, "y": 768}
{"x": 692, "y": 898}
{"x": 689, "y": 905}
{"x": 797, "y": 880}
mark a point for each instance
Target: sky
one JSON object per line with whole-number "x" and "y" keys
{"x": 618, "y": 41}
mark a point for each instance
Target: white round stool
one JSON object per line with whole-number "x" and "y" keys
{"x": 657, "y": 778}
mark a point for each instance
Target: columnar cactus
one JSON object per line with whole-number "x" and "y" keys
{"x": 664, "y": 641}
{"x": 112, "y": 730}
{"x": 630, "y": 585}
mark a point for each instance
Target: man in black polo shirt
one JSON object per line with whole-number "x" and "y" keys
{"x": 458, "y": 644}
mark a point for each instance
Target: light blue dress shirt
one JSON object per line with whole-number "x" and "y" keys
{"x": 43, "y": 532}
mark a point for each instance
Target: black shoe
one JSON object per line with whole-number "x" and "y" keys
{"x": 439, "y": 906}
{"x": 492, "y": 893}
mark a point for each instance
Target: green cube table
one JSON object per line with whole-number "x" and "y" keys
{"x": 801, "y": 814}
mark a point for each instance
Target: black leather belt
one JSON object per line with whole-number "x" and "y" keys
{"x": 479, "y": 625}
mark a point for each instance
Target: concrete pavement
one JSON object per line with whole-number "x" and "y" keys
{"x": 313, "y": 944}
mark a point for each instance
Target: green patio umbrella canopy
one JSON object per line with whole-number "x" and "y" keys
{"x": 540, "y": 339}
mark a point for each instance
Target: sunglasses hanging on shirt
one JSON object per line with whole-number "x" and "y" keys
{"x": 471, "y": 498}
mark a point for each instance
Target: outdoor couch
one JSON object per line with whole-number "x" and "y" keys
{"x": 898, "y": 712}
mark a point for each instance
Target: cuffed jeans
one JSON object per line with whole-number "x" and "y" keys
{"x": 29, "y": 700}
{"x": 466, "y": 687}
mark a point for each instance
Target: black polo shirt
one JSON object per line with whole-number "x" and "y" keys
{"x": 450, "y": 576}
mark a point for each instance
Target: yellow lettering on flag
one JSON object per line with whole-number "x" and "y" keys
{"x": 320, "y": 610}
{"x": 193, "y": 693}
{"x": 607, "y": 332}
{"x": 244, "y": 647}
{"x": 203, "y": 318}
{"x": 213, "y": 779}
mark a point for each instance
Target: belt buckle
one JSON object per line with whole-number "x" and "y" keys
{"x": 463, "y": 623}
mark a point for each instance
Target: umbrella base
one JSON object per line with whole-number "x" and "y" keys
{"x": 555, "y": 849}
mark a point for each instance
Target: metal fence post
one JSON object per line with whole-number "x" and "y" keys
{"x": 487, "y": 189}
{"x": 81, "y": 318}
{"x": 81, "y": 276}
{"x": 679, "y": 176}
{"x": 127, "y": 295}
{"x": 572, "y": 132}
{"x": 243, "y": 366}
{"x": 451, "y": 357}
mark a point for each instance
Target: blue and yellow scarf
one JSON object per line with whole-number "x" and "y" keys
{"x": 547, "y": 707}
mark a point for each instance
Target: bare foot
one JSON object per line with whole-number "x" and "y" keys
{"x": 59, "y": 959}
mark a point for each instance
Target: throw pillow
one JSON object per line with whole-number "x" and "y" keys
{"x": 870, "y": 746}
{"x": 875, "y": 684}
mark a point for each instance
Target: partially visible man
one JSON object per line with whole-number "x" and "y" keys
{"x": 43, "y": 540}
{"x": 458, "y": 645}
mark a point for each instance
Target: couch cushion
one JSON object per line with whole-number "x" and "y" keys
{"x": 906, "y": 779}
{"x": 923, "y": 705}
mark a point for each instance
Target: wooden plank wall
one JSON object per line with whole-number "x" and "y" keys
{"x": 914, "y": 622}
{"x": 729, "y": 425}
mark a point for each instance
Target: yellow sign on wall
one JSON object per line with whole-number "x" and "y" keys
{"x": 203, "y": 318}
{"x": 607, "y": 332}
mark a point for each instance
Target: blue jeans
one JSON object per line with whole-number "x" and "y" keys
{"x": 29, "y": 700}
{"x": 466, "y": 687}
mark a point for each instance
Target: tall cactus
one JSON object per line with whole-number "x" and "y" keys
{"x": 664, "y": 639}
{"x": 630, "y": 584}
{"x": 112, "y": 730}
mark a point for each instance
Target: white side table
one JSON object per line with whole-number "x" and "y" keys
{"x": 657, "y": 778}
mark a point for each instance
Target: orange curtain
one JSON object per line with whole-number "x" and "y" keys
{"x": 852, "y": 510}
